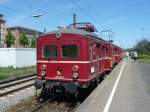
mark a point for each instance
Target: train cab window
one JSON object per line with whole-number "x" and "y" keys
{"x": 49, "y": 51}
{"x": 70, "y": 51}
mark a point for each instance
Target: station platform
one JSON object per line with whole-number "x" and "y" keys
{"x": 96, "y": 101}
{"x": 125, "y": 89}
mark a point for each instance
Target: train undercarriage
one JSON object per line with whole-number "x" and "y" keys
{"x": 75, "y": 89}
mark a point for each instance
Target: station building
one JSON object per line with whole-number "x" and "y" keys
{"x": 17, "y": 32}
{"x": 3, "y": 31}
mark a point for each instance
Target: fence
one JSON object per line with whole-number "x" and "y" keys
{"x": 17, "y": 57}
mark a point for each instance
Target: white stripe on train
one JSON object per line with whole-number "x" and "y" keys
{"x": 43, "y": 61}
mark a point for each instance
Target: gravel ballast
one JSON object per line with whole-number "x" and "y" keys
{"x": 14, "y": 98}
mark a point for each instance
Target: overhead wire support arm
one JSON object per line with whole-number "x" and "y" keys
{"x": 83, "y": 10}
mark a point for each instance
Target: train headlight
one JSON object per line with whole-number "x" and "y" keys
{"x": 75, "y": 75}
{"x": 43, "y": 67}
{"x": 75, "y": 68}
{"x": 58, "y": 73}
{"x": 43, "y": 73}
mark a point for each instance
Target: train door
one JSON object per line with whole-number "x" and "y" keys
{"x": 111, "y": 56}
{"x": 97, "y": 47}
{"x": 107, "y": 59}
{"x": 94, "y": 58}
{"x": 104, "y": 54}
{"x": 114, "y": 56}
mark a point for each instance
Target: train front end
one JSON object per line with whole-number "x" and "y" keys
{"x": 61, "y": 63}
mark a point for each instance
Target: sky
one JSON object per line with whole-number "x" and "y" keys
{"x": 129, "y": 20}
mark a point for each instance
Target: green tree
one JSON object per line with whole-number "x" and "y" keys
{"x": 9, "y": 40}
{"x": 143, "y": 46}
{"x": 24, "y": 40}
{"x": 33, "y": 43}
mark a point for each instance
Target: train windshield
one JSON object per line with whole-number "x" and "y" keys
{"x": 49, "y": 51}
{"x": 70, "y": 51}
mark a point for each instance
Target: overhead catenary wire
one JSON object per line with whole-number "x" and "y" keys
{"x": 93, "y": 18}
{"x": 84, "y": 11}
{"x": 45, "y": 21}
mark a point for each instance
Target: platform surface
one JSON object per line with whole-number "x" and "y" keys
{"x": 130, "y": 94}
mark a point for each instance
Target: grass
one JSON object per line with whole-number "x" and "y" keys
{"x": 6, "y": 72}
{"x": 144, "y": 58}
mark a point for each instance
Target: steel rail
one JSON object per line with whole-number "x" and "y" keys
{"x": 14, "y": 90}
{"x": 16, "y": 78}
{"x": 42, "y": 104}
{"x": 16, "y": 82}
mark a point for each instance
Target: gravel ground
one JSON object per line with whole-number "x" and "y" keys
{"x": 56, "y": 107}
{"x": 13, "y": 99}
{"x": 25, "y": 101}
{"x": 27, "y": 105}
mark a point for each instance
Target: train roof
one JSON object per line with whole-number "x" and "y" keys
{"x": 74, "y": 31}
{"x": 77, "y": 31}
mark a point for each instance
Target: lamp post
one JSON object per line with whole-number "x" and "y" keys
{"x": 37, "y": 16}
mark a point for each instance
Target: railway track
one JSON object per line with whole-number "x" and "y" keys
{"x": 59, "y": 106}
{"x": 41, "y": 105}
{"x": 16, "y": 84}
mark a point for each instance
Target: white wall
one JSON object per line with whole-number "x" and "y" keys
{"x": 17, "y": 57}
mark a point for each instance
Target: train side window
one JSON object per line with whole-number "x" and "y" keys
{"x": 70, "y": 51}
{"x": 114, "y": 52}
{"x": 103, "y": 51}
{"x": 49, "y": 51}
{"x": 107, "y": 54}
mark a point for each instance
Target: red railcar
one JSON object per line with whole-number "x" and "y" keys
{"x": 72, "y": 59}
{"x": 117, "y": 53}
